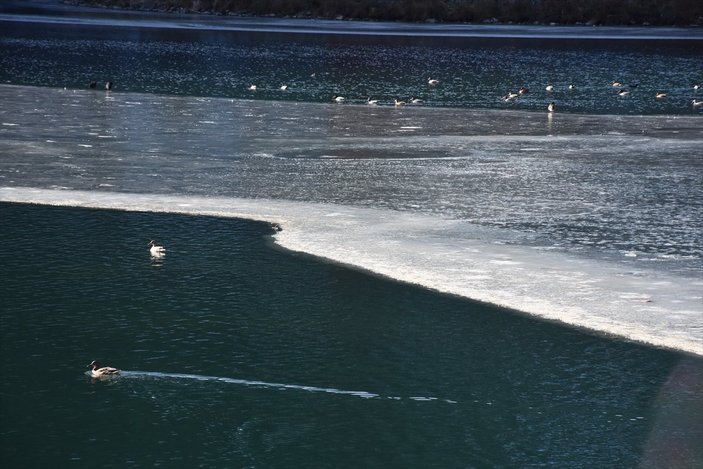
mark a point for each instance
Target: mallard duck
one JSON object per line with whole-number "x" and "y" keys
{"x": 155, "y": 249}
{"x": 98, "y": 371}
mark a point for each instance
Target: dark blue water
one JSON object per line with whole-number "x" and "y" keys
{"x": 219, "y": 334}
{"x": 473, "y": 72}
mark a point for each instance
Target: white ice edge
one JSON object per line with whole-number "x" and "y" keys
{"x": 650, "y": 307}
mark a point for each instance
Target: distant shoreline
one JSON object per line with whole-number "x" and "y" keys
{"x": 519, "y": 12}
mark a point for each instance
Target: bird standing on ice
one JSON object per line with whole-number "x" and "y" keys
{"x": 552, "y": 107}
{"x": 156, "y": 250}
{"x": 98, "y": 371}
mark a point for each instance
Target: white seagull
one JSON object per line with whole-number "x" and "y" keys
{"x": 371, "y": 102}
{"x": 98, "y": 371}
{"x": 416, "y": 101}
{"x": 252, "y": 88}
{"x": 552, "y": 107}
{"x": 432, "y": 82}
{"x": 617, "y": 84}
{"x": 156, "y": 250}
{"x": 697, "y": 102}
{"x": 399, "y": 103}
{"x": 549, "y": 88}
{"x": 510, "y": 96}
{"x": 338, "y": 99}
{"x": 623, "y": 93}
{"x": 284, "y": 87}
{"x": 660, "y": 95}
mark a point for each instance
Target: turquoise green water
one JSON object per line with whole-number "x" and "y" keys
{"x": 239, "y": 354}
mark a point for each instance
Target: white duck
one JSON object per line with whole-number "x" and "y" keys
{"x": 98, "y": 371}
{"x": 156, "y": 250}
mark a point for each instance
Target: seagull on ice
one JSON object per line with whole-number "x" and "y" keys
{"x": 156, "y": 250}
{"x": 98, "y": 371}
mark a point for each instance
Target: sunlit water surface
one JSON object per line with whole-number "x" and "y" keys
{"x": 238, "y": 353}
